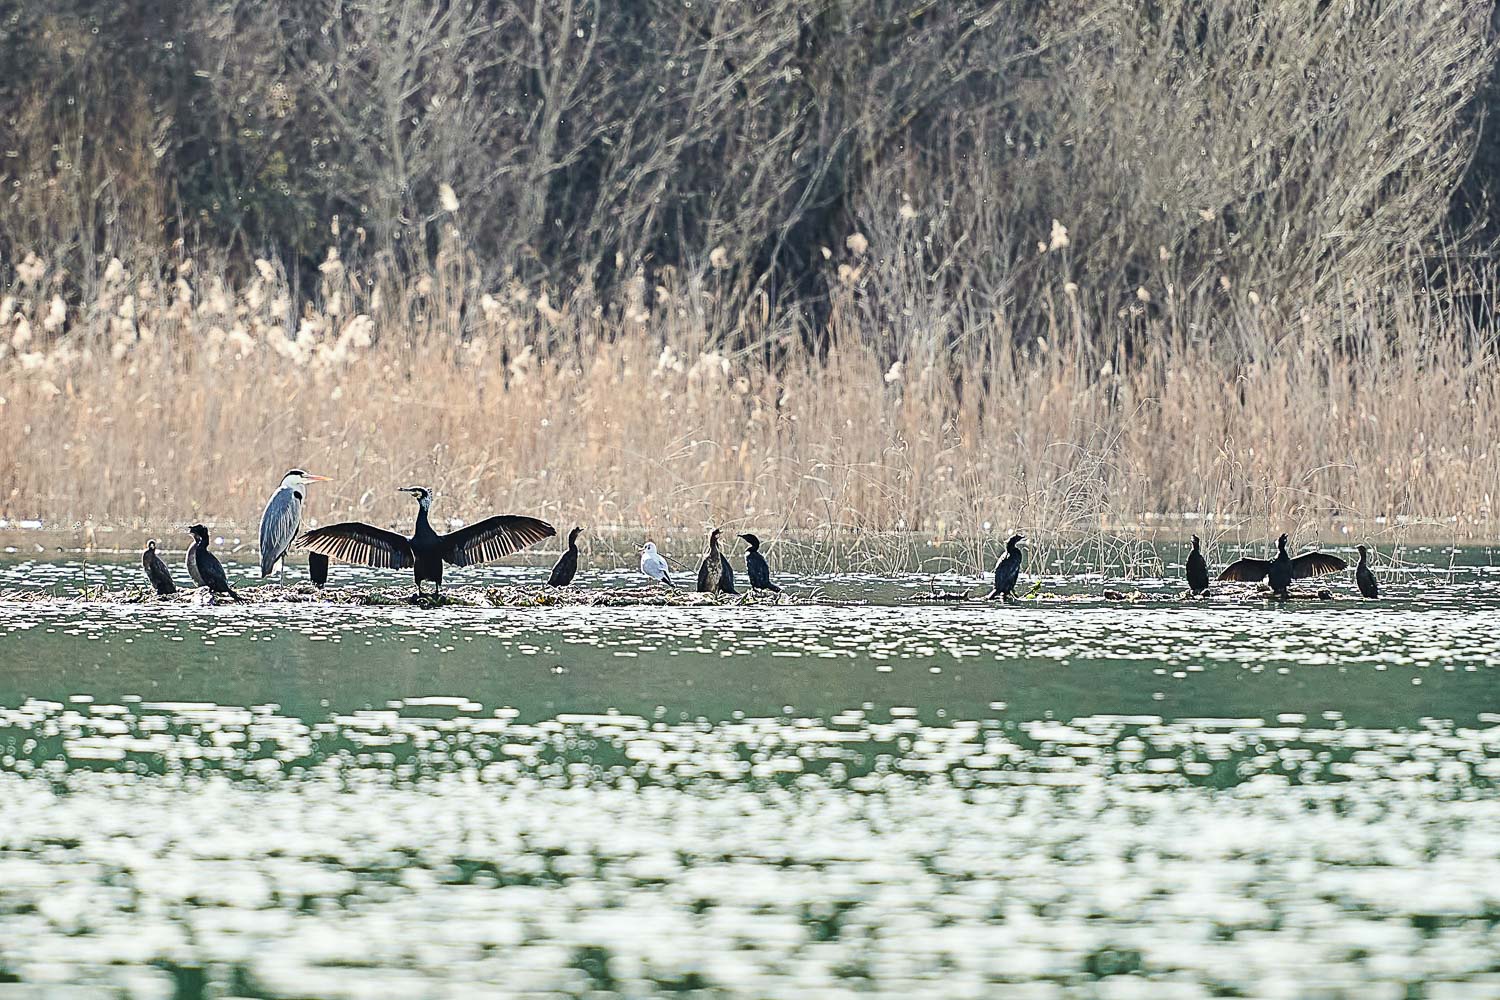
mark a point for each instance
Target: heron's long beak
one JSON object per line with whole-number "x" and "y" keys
{"x": 320, "y": 479}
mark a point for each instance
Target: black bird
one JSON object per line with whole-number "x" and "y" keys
{"x": 156, "y": 570}
{"x": 567, "y": 566}
{"x": 1197, "y": 570}
{"x": 1364, "y": 577}
{"x": 712, "y": 570}
{"x": 756, "y": 566}
{"x": 205, "y": 566}
{"x": 1008, "y": 570}
{"x": 1282, "y": 570}
{"x": 426, "y": 550}
{"x": 317, "y": 568}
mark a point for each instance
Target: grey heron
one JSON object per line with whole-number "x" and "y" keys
{"x": 426, "y": 550}
{"x": 282, "y": 521}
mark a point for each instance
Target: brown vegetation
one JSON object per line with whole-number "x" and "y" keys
{"x": 835, "y": 268}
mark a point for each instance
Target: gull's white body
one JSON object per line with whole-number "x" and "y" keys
{"x": 653, "y": 565}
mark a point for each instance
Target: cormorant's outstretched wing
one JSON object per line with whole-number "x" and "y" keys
{"x": 493, "y": 538}
{"x": 278, "y": 528}
{"x": 1247, "y": 570}
{"x": 360, "y": 544}
{"x": 1316, "y": 564}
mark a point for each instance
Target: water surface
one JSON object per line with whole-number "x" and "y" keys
{"x": 1065, "y": 797}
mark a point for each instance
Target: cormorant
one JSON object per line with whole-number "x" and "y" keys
{"x": 1364, "y": 577}
{"x": 654, "y": 566}
{"x": 1197, "y": 569}
{"x": 1282, "y": 570}
{"x": 756, "y": 566}
{"x": 317, "y": 569}
{"x": 1008, "y": 570}
{"x": 567, "y": 565}
{"x": 426, "y": 550}
{"x": 715, "y": 575}
{"x": 205, "y": 566}
{"x": 156, "y": 570}
{"x": 282, "y": 520}
{"x": 190, "y": 562}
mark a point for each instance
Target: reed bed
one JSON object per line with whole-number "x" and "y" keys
{"x": 166, "y": 401}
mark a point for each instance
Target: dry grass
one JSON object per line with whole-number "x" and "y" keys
{"x": 168, "y": 402}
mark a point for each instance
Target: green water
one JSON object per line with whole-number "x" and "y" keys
{"x": 1066, "y": 797}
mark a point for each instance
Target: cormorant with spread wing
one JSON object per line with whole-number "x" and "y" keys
{"x": 426, "y": 550}
{"x": 1282, "y": 570}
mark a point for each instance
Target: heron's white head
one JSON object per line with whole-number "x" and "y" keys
{"x": 298, "y": 477}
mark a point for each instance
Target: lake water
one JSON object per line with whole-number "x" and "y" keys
{"x": 1064, "y": 797}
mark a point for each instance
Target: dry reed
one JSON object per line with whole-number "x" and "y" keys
{"x": 175, "y": 400}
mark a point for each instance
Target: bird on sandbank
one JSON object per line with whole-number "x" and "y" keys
{"x": 425, "y": 551}
{"x": 1008, "y": 570}
{"x": 566, "y": 566}
{"x": 204, "y": 566}
{"x": 1364, "y": 577}
{"x": 1281, "y": 571}
{"x": 280, "y": 523}
{"x": 156, "y": 570}
{"x": 756, "y": 566}
{"x": 654, "y": 565}
{"x": 1197, "y": 569}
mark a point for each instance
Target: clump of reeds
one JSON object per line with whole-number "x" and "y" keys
{"x": 170, "y": 401}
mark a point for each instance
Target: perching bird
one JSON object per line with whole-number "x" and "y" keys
{"x": 567, "y": 565}
{"x": 1197, "y": 570}
{"x": 317, "y": 569}
{"x": 156, "y": 570}
{"x": 654, "y": 566}
{"x": 426, "y": 550}
{"x": 711, "y": 569}
{"x": 1008, "y": 570}
{"x": 1282, "y": 570}
{"x": 1364, "y": 577}
{"x": 190, "y": 562}
{"x": 282, "y": 520}
{"x": 756, "y": 566}
{"x": 205, "y": 565}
